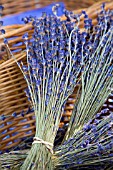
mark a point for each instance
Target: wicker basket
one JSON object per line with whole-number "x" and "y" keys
{"x": 12, "y": 7}
{"x": 93, "y": 10}
{"x": 12, "y": 85}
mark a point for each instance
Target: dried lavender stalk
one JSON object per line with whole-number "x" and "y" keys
{"x": 97, "y": 83}
{"x": 12, "y": 160}
{"x": 97, "y": 77}
{"x": 92, "y": 145}
{"x": 51, "y": 74}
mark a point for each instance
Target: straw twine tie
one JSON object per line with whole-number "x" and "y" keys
{"x": 48, "y": 145}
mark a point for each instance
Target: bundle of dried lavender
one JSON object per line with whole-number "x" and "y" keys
{"x": 96, "y": 78}
{"x": 86, "y": 143}
{"x": 90, "y": 146}
{"x": 51, "y": 73}
{"x": 58, "y": 58}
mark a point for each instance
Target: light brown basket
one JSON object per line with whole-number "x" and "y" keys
{"x": 17, "y": 6}
{"x": 93, "y": 11}
{"x": 12, "y": 85}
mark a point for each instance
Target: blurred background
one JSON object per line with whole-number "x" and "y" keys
{"x": 16, "y": 6}
{"x": 15, "y": 10}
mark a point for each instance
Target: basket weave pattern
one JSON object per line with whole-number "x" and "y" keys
{"x": 12, "y": 7}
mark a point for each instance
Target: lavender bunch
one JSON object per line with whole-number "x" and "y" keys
{"x": 52, "y": 70}
{"x": 97, "y": 76}
{"x": 1, "y": 22}
{"x": 12, "y": 160}
{"x": 97, "y": 84}
{"x": 91, "y": 146}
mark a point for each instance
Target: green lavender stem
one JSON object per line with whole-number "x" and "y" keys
{"x": 39, "y": 158}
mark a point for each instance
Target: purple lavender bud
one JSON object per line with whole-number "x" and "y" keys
{"x": 53, "y": 32}
{"x": 100, "y": 147}
{"x": 27, "y": 92}
{"x": 110, "y": 133}
{"x": 104, "y": 111}
{"x": 103, "y": 5}
{"x": 28, "y": 110}
{"x": 90, "y": 121}
{"x": 7, "y": 151}
{"x": 41, "y": 42}
{"x": 94, "y": 128}
{"x": 79, "y": 161}
{"x": 25, "y": 36}
{"x": 84, "y": 145}
{"x": 31, "y": 18}
{"x": 111, "y": 116}
{"x": 5, "y": 41}
{"x": 34, "y": 63}
{"x": 83, "y": 40}
{"x": 86, "y": 21}
{"x": 108, "y": 146}
{"x": 1, "y": 152}
{"x": 1, "y": 8}
{"x": 96, "y": 134}
{"x": 96, "y": 121}
{"x": 38, "y": 82}
{"x": 87, "y": 127}
{"x": 14, "y": 114}
{"x": 22, "y": 113}
{"x": 84, "y": 12}
{"x": 87, "y": 26}
{"x": 25, "y": 68}
{"x": 25, "y": 20}
{"x": 44, "y": 62}
{"x": 111, "y": 154}
{"x": 84, "y": 34}
{"x": 8, "y": 167}
{"x": 97, "y": 115}
{"x": 2, "y": 31}
{"x": 3, "y": 117}
{"x": 41, "y": 32}
{"x": 31, "y": 110}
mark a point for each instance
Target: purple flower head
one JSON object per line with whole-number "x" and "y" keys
{"x": 25, "y": 20}
{"x": 2, "y": 31}
{"x": 2, "y": 117}
{"x": 22, "y": 113}
{"x": 1, "y": 8}
{"x": 5, "y": 41}
{"x": 14, "y": 114}
{"x": 1, "y": 23}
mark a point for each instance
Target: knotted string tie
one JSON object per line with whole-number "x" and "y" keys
{"x": 48, "y": 145}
